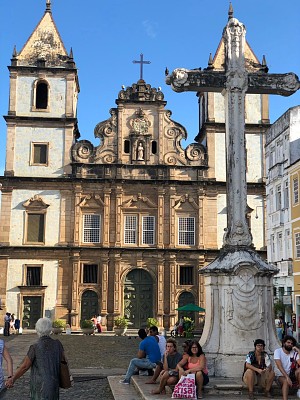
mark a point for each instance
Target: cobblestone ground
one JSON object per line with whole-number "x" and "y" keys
{"x": 82, "y": 389}
{"x": 84, "y": 352}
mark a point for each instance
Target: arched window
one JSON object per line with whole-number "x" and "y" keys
{"x": 41, "y": 95}
{"x": 126, "y": 146}
{"x": 154, "y": 147}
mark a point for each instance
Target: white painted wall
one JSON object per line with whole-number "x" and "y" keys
{"x": 252, "y": 108}
{"x": 255, "y": 151}
{"x": 57, "y": 97}
{"x": 55, "y": 137}
{"x": 18, "y": 212}
{"x": 15, "y": 278}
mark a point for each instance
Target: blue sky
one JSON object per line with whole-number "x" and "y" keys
{"x": 107, "y": 35}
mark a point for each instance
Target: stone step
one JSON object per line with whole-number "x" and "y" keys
{"x": 216, "y": 389}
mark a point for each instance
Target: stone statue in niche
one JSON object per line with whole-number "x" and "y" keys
{"x": 140, "y": 152}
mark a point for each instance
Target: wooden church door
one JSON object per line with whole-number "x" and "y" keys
{"x": 138, "y": 297}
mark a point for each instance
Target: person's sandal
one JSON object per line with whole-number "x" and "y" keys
{"x": 251, "y": 396}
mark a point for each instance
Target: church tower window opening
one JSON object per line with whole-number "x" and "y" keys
{"x": 41, "y": 95}
{"x": 39, "y": 153}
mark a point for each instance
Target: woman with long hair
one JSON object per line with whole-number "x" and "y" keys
{"x": 194, "y": 362}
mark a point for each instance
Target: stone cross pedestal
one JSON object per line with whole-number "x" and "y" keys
{"x": 238, "y": 284}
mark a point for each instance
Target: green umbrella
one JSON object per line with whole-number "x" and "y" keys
{"x": 191, "y": 308}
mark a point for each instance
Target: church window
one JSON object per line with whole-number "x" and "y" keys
{"x": 39, "y": 154}
{"x": 33, "y": 275}
{"x": 91, "y": 228}
{"x": 297, "y": 244}
{"x": 154, "y": 147}
{"x": 139, "y": 229}
{"x": 148, "y": 230}
{"x": 126, "y": 146}
{"x": 41, "y": 95}
{"x": 186, "y": 275}
{"x": 295, "y": 190}
{"x": 90, "y": 273}
{"x": 35, "y": 228}
{"x": 130, "y": 229}
{"x": 186, "y": 231}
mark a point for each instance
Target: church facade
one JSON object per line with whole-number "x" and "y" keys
{"x": 121, "y": 228}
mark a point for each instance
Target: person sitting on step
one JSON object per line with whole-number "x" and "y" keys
{"x": 258, "y": 369}
{"x": 194, "y": 362}
{"x": 167, "y": 370}
{"x": 147, "y": 358}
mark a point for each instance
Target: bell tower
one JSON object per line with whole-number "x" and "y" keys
{"x": 41, "y": 120}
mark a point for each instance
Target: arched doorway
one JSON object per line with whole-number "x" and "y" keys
{"x": 89, "y": 304}
{"x": 138, "y": 297}
{"x": 186, "y": 298}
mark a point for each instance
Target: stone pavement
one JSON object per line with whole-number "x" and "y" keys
{"x": 98, "y": 363}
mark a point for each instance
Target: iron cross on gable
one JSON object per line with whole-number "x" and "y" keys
{"x": 141, "y": 62}
{"x": 234, "y": 83}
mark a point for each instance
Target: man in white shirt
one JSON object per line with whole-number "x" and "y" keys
{"x": 153, "y": 331}
{"x": 284, "y": 358}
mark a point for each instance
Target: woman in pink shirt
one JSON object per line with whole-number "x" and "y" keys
{"x": 195, "y": 363}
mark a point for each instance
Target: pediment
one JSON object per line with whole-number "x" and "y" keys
{"x": 185, "y": 203}
{"x": 138, "y": 202}
{"x": 251, "y": 61}
{"x": 44, "y": 43}
{"x": 35, "y": 203}
{"x": 91, "y": 201}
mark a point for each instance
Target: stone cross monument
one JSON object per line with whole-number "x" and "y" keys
{"x": 238, "y": 284}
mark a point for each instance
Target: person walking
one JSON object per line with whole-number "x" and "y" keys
{"x": 44, "y": 358}
{"x": 4, "y": 354}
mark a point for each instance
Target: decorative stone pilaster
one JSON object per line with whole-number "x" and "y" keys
{"x": 106, "y": 219}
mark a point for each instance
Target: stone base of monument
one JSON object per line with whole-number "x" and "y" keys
{"x": 239, "y": 309}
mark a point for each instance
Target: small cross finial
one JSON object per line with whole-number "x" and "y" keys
{"x": 48, "y": 5}
{"x": 141, "y": 62}
{"x": 230, "y": 11}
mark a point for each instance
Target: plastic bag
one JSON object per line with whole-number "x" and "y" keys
{"x": 185, "y": 388}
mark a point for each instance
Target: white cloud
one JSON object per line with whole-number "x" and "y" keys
{"x": 150, "y": 28}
